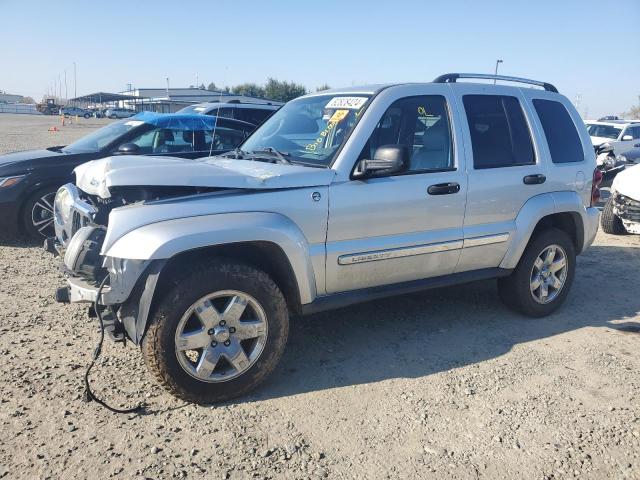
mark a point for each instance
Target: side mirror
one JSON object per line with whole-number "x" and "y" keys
{"x": 627, "y": 138}
{"x": 128, "y": 149}
{"x": 387, "y": 160}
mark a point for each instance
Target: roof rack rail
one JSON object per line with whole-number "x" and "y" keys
{"x": 452, "y": 77}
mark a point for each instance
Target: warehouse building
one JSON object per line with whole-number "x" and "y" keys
{"x": 170, "y": 100}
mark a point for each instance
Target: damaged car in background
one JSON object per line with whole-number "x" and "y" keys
{"x": 341, "y": 196}
{"x": 621, "y": 212}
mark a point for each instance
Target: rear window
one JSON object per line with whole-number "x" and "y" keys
{"x": 562, "y": 137}
{"x": 500, "y": 136}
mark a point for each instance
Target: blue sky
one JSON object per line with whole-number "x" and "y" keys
{"x": 585, "y": 47}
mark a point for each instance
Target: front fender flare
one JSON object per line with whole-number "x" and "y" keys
{"x": 163, "y": 240}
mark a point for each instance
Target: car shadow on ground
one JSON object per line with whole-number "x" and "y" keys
{"x": 425, "y": 333}
{"x": 19, "y": 241}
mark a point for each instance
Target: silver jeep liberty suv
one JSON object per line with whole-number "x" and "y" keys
{"x": 341, "y": 196}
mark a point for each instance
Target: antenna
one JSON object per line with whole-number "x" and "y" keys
{"x": 213, "y": 135}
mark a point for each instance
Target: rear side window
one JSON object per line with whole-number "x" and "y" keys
{"x": 562, "y": 137}
{"x": 251, "y": 115}
{"x": 500, "y": 136}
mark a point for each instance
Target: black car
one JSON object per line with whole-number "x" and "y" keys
{"x": 29, "y": 180}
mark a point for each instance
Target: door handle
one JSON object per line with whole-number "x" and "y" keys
{"x": 443, "y": 188}
{"x": 534, "y": 179}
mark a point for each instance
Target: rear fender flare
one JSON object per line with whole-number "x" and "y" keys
{"x": 534, "y": 210}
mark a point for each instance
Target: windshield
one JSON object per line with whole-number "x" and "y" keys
{"x": 309, "y": 130}
{"x": 605, "y": 131}
{"x": 101, "y": 138}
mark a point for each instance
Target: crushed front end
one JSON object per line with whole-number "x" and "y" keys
{"x": 80, "y": 225}
{"x": 628, "y": 210}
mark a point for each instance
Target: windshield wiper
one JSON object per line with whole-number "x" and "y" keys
{"x": 237, "y": 154}
{"x": 279, "y": 155}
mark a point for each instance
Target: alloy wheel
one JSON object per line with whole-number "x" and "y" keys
{"x": 221, "y": 336}
{"x": 549, "y": 274}
{"x": 42, "y": 214}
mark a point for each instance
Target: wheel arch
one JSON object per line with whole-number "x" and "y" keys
{"x": 30, "y": 191}
{"x": 564, "y": 211}
{"x": 160, "y": 275}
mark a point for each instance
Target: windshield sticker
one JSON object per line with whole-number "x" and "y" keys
{"x": 339, "y": 116}
{"x": 311, "y": 147}
{"x": 351, "y": 103}
{"x": 134, "y": 123}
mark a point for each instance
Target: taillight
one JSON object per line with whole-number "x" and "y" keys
{"x": 595, "y": 186}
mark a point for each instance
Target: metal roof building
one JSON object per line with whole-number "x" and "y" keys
{"x": 169, "y": 100}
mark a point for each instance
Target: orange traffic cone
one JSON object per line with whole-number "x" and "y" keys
{"x": 53, "y": 129}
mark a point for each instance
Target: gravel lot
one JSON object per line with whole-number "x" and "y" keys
{"x": 442, "y": 384}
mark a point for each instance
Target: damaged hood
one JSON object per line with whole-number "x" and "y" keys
{"x": 98, "y": 176}
{"x": 627, "y": 182}
{"x": 597, "y": 141}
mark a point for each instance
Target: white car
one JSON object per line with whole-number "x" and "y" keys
{"x": 119, "y": 113}
{"x": 622, "y": 135}
{"x": 621, "y": 213}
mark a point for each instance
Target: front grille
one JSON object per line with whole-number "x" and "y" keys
{"x": 80, "y": 216}
{"x": 626, "y": 208}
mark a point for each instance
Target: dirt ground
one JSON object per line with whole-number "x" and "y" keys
{"x": 442, "y": 384}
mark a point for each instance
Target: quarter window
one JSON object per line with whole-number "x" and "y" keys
{"x": 420, "y": 123}
{"x": 500, "y": 136}
{"x": 562, "y": 137}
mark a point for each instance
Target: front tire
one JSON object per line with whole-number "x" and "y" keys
{"x": 37, "y": 214}
{"x": 610, "y": 222}
{"x": 542, "y": 280}
{"x": 217, "y": 333}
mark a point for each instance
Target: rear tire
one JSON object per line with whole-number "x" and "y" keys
{"x": 186, "y": 371}
{"x": 610, "y": 222}
{"x": 518, "y": 291}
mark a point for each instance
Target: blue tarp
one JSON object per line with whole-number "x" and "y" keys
{"x": 179, "y": 121}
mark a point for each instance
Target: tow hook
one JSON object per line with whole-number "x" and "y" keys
{"x": 63, "y": 295}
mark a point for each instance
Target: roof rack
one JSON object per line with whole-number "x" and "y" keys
{"x": 452, "y": 77}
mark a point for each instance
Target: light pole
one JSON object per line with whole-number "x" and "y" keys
{"x": 498, "y": 62}
{"x": 75, "y": 81}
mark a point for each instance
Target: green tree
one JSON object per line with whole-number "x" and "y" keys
{"x": 249, "y": 89}
{"x": 283, "y": 91}
{"x": 323, "y": 87}
{"x": 212, "y": 87}
{"x": 634, "y": 112}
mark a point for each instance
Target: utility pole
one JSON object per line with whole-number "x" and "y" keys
{"x": 498, "y": 62}
{"x": 167, "y": 88}
{"x": 66, "y": 92}
{"x": 75, "y": 81}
